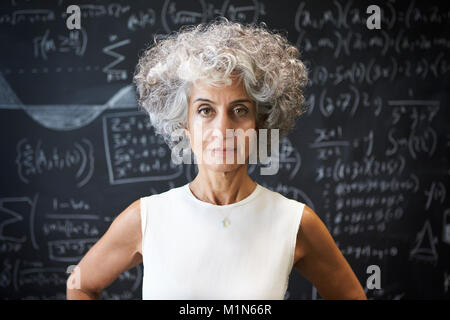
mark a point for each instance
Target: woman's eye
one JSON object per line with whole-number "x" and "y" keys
{"x": 241, "y": 111}
{"x": 204, "y": 111}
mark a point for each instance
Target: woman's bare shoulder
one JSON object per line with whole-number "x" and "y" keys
{"x": 132, "y": 212}
{"x": 308, "y": 220}
{"x": 128, "y": 223}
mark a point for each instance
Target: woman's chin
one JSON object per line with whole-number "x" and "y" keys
{"x": 224, "y": 167}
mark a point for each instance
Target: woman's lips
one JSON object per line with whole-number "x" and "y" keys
{"x": 222, "y": 150}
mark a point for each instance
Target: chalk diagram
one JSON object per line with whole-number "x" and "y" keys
{"x": 425, "y": 248}
{"x": 133, "y": 152}
{"x": 33, "y": 160}
{"x": 176, "y": 13}
{"x": 11, "y": 216}
{"x": 66, "y": 117}
{"x": 290, "y": 158}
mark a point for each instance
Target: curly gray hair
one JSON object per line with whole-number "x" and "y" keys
{"x": 267, "y": 63}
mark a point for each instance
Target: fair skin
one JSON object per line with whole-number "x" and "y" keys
{"x": 215, "y": 109}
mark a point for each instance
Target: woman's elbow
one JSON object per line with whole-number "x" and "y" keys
{"x": 74, "y": 290}
{"x": 80, "y": 294}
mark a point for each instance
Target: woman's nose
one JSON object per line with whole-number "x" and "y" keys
{"x": 222, "y": 123}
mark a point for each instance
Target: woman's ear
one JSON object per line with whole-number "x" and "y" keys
{"x": 187, "y": 133}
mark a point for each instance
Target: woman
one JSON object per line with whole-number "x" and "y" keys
{"x": 222, "y": 236}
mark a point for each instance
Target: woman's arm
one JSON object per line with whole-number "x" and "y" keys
{"x": 118, "y": 250}
{"x": 322, "y": 263}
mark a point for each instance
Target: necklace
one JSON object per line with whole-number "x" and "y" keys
{"x": 226, "y": 222}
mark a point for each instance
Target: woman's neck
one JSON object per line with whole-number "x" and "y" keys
{"x": 222, "y": 188}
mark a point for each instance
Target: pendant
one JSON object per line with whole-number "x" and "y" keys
{"x": 226, "y": 222}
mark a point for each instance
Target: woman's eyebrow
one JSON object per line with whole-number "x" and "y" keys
{"x": 232, "y": 102}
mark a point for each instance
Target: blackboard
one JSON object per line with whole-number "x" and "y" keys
{"x": 370, "y": 156}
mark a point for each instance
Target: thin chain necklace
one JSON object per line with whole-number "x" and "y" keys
{"x": 226, "y": 222}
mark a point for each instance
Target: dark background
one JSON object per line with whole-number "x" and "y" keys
{"x": 371, "y": 155}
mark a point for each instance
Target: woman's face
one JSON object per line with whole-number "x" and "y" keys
{"x": 213, "y": 110}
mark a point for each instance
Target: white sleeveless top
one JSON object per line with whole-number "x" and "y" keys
{"x": 198, "y": 250}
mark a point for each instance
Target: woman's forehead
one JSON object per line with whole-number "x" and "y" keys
{"x": 202, "y": 89}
